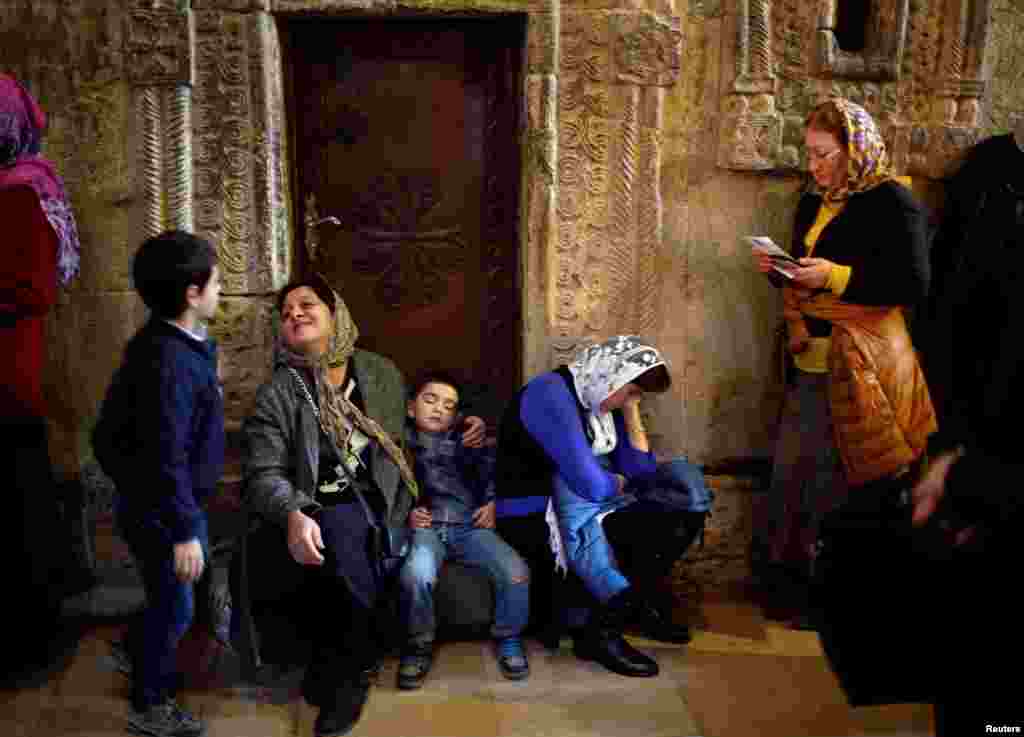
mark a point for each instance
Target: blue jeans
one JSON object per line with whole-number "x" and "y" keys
{"x": 676, "y": 487}
{"x": 472, "y": 546}
{"x": 170, "y": 608}
{"x": 589, "y": 554}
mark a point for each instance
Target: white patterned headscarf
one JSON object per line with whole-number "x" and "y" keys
{"x": 600, "y": 370}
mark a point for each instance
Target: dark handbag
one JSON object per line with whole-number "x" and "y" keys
{"x": 389, "y": 543}
{"x": 877, "y": 586}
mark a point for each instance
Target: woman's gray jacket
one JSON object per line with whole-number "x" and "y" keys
{"x": 281, "y": 436}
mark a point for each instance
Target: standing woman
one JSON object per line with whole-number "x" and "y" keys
{"x": 40, "y": 252}
{"x": 857, "y": 411}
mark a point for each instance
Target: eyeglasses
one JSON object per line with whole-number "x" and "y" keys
{"x": 813, "y": 155}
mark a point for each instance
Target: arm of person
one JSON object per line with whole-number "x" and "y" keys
{"x": 475, "y": 433}
{"x": 549, "y": 413}
{"x": 267, "y": 461}
{"x": 28, "y": 279}
{"x": 173, "y": 404}
{"x": 977, "y": 489}
{"x": 268, "y": 465}
{"x": 484, "y": 460}
{"x": 632, "y": 454}
{"x": 897, "y": 271}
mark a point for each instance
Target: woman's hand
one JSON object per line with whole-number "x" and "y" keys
{"x": 476, "y": 432}
{"x": 762, "y": 262}
{"x": 797, "y": 345}
{"x": 420, "y": 518}
{"x": 812, "y": 273}
{"x": 484, "y": 516}
{"x": 188, "y": 561}
{"x": 304, "y": 540}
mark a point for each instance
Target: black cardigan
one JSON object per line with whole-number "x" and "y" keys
{"x": 883, "y": 234}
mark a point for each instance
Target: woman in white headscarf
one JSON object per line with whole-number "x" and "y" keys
{"x": 575, "y": 468}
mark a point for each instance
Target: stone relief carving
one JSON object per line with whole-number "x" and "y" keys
{"x": 751, "y": 129}
{"x": 920, "y": 74}
{"x": 158, "y": 48}
{"x": 647, "y": 50}
{"x": 960, "y": 82}
{"x": 239, "y": 179}
{"x": 649, "y": 217}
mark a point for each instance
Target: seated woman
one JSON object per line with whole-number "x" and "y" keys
{"x": 325, "y": 422}
{"x": 572, "y": 446}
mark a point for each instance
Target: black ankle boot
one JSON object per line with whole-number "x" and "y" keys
{"x": 656, "y": 623}
{"x": 602, "y": 640}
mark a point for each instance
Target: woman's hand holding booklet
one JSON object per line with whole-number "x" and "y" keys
{"x": 770, "y": 257}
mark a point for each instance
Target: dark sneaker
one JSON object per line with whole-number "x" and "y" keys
{"x": 512, "y": 658}
{"x": 341, "y": 715}
{"x": 165, "y": 720}
{"x": 414, "y": 664}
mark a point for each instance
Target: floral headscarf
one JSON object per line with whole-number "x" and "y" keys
{"x": 868, "y": 158}
{"x": 338, "y": 414}
{"x": 600, "y": 370}
{"x": 22, "y": 123}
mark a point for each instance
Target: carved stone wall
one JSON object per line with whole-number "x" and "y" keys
{"x": 654, "y": 136}
{"x": 923, "y": 75}
{"x": 71, "y": 55}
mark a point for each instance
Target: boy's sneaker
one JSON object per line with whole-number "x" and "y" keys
{"x": 512, "y": 658}
{"x": 414, "y": 664}
{"x": 165, "y": 720}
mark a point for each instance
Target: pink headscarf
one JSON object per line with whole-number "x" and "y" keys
{"x": 22, "y": 123}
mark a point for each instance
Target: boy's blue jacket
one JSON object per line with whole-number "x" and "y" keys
{"x": 160, "y": 435}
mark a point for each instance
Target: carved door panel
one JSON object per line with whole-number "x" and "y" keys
{"x": 406, "y": 132}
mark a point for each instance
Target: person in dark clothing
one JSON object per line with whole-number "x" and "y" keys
{"x": 454, "y": 520}
{"x": 575, "y": 467}
{"x": 971, "y": 490}
{"x": 330, "y": 418}
{"x": 160, "y": 437}
{"x": 40, "y": 255}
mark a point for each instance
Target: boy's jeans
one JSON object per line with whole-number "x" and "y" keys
{"x": 473, "y": 546}
{"x": 170, "y": 607}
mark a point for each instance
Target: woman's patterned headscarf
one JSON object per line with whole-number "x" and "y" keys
{"x": 600, "y": 370}
{"x": 22, "y": 123}
{"x": 868, "y": 160}
{"x": 339, "y": 415}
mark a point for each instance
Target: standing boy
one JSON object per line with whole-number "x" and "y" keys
{"x": 160, "y": 438}
{"x": 455, "y": 520}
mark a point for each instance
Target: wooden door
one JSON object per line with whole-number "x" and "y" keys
{"x": 406, "y": 131}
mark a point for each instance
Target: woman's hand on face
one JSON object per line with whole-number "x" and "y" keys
{"x": 476, "y": 432}
{"x": 420, "y": 518}
{"x": 304, "y": 540}
{"x": 812, "y": 273}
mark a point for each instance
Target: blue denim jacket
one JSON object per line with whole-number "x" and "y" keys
{"x": 454, "y": 480}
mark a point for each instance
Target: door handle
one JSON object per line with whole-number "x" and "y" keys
{"x": 312, "y": 221}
